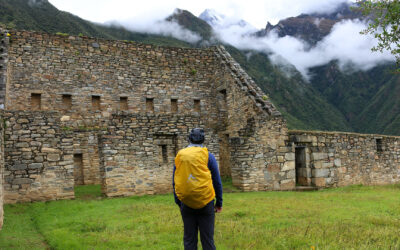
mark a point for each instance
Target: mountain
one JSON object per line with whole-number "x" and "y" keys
{"x": 192, "y": 23}
{"x": 311, "y": 28}
{"x": 40, "y": 15}
{"x": 217, "y": 20}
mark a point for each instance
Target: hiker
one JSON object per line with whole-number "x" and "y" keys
{"x": 196, "y": 183}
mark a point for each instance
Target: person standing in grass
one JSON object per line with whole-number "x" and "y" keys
{"x": 196, "y": 183}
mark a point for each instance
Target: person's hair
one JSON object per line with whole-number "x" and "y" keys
{"x": 196, "y": 136}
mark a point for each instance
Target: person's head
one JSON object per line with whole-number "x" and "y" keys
{"x": 196, "y": 136}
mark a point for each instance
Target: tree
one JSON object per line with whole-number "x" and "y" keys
{"x": 384, "y": 24}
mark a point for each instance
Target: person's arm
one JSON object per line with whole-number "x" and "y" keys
{"x": 216, "y": 179}
{"x": 177, "y": 201}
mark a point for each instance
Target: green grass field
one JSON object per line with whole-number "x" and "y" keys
{"x": 356, "y": 217}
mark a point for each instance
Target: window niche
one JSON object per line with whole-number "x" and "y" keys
{"x": 96, "y": 101}
{"x": 164, "y": 153}
{"x": 150, "y": 104}
{"x": 66, "y": 102}
{"x": 123, "y": 103}
{"x": 223, "y": 99}
{"x": 174, "y": 105}
{"x": 36, "y": 101}
{"x": 379, "y": 147}
{"x": 197, "y": 107}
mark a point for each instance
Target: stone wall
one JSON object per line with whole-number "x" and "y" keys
{"x": 333, "y": 159}
{"x": 139, "y": 150}
{"x": 255, "y": 131}
{"x": 1, "y": 171}
{"x": 88, "y": 79}
{"x": 4, "y": 42}
{"x": 38, "y": 157}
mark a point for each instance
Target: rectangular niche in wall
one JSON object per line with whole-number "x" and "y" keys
{"x": 123, "y": 103}
{"x": 379, "y": 147}
{"x": 164, "y": 153}
{"x": 66, "y": 102}
{"x": 150, "y": 104}
{"x": 174, "y": 105}
{"x": 222, "y": 99}
{"x": 196, "y": 104}
{"x": 78, "y": 169}
{"x": 36, "y": 101}
{"x": 96, "y": 100}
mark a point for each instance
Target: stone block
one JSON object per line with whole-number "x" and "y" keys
{"x": 319, "y": 182}
{"x": 288, "y": 184}
{"x": 20, "y": 181}
{"x": 338, "y": 162}
{"x": 18, "y": 167}
{"x": 323, "y": 172}
{"x": 289, "y": 165}
{"x": 53, "y": 157}
{"x": 290, "y": 156}
{"x": 35, "y": 165}
{"x": 319, "y": 156}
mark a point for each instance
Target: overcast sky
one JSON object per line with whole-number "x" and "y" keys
{"x": 256, "y": 12}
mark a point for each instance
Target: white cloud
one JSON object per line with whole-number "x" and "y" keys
{"x": 160, "y": 27}
{"x": 343, "y": 44}
{"x": 256, "y": 12}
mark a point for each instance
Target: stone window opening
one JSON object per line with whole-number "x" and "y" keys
{"x": 123, "y": 103}
{"x": 66, "y": 102}
{"x": 379, "y": 147}
{"x": 223, "y": 99}
{"x": 36, "y": 101}
{"x": 164, "y": 153}
{"x": 96, "y": 100}
{"x": 150, "y": 104}
{"x": 174, "y": 105}
{"x": 197, "y": 107}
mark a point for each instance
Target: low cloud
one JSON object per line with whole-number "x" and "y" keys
{"x": 344, "y": 44}
{"x": 159, "y": 27}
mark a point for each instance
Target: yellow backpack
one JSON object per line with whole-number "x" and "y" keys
{"x": 193, "y": 182}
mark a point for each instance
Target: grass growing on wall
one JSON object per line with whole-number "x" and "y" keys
{"x": 355, "y": 217}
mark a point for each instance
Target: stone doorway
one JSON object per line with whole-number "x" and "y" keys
{"x": 303, "y": 172}
{"x": 78, "y": 169}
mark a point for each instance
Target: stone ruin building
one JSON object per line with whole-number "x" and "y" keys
{"x": 80, "y": 110}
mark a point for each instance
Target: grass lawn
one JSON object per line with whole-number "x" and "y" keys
{"x": 356, "y": 217}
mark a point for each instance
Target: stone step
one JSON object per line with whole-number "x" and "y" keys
{"x": 305, "y": 188}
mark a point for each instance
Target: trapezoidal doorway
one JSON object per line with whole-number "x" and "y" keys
{"x": 303, "y": 173}
{"x": 78, "y": 169}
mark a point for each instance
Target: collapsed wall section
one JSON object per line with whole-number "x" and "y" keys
{"x": 339, "y": 159}
{"x": 38, "y": 157}
{"x": 138, "y": 152}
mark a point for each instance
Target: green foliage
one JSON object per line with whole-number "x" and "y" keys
{"x": 360, "y": 217}
{"x": 193, "y": 72}
{"x": 62, "y": 34}
{"x": 385, "y": 25}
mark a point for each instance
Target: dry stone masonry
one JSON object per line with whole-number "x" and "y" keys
{"x": 81, "y": 110}
{"x": 332, "y": 159}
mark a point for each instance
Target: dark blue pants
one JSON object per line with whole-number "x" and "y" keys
{"x": 195, "y": 220}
